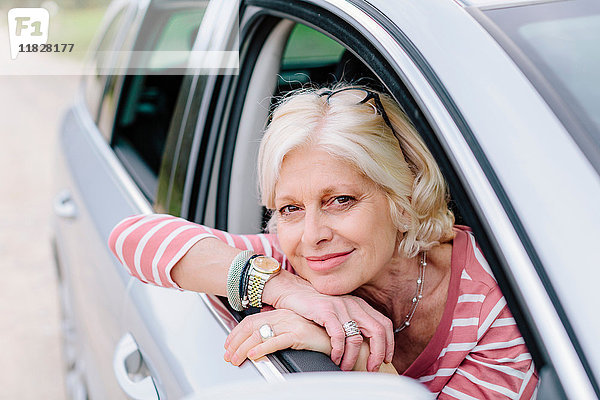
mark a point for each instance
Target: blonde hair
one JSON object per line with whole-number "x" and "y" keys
{"x": 402, "y": 167}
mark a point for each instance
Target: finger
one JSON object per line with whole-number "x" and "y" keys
{"x": 238, "y": 335}
{"x": 241, "y": 353}
{"x": 353, "y": 344}
{"x": 387, "y": 325}
{"x": 276, "y": 343}
{"x": 372, "y": 329}
{"x": 333, "y": 325}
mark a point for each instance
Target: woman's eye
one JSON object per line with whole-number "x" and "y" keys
{"x": 288, "y": 209}
{"x": 343, "y": 200}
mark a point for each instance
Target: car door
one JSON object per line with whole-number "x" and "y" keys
{"x": 89, "y": 199}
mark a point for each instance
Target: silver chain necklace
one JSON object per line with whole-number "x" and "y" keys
{"x": 418, "y": 294}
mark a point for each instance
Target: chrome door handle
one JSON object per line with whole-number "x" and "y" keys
{"x": 131, "y": 370}
{"x": 64, "y": 206}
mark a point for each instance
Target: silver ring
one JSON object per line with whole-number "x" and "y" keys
{"x": 351, "y": 328}
{"x": 266, "y": 332}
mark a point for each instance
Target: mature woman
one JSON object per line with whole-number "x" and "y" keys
{"x": 359, "y": 206}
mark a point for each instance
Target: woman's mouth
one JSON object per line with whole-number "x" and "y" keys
{"x": 327, "y": 261}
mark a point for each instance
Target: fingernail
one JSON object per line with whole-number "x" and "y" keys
{"x": 226, "y": 356}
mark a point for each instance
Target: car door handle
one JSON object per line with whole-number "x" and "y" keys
{"x": 64, "y": 206}
{"x": 131, "y": 370}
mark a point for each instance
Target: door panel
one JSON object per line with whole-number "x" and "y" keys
{"x": 181, "y": 341}
{"x": 95, "y": 280}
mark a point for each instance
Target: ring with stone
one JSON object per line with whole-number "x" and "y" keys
{"x": 266, "y": 332}
{"x": 351, "y": 328}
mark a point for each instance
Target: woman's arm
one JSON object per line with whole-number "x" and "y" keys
{"x": 172, "y": 252}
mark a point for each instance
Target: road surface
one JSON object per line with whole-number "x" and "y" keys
{"x": 30, "y": 111}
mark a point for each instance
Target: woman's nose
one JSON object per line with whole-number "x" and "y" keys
{"x": 316, "y": 228}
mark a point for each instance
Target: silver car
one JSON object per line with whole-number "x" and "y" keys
{"x": 505, "y": 93}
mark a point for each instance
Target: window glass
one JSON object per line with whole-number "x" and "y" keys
{"x": 560, "y": 42}
{"x": 176, "y": 41}
{"x": 94, "y": 84}
{"x": 148, "y": 97}
{"x": 309, "y": 47}
{"x": 306, "y": 53}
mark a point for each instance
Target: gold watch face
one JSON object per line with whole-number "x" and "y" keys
{"x": 267, "y": 265}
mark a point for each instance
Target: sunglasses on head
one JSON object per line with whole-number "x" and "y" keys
{"x": 365, "y": 95}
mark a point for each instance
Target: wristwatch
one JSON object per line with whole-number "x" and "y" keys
{"x": 261, "y": 269}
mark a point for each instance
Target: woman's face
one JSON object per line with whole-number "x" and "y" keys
{"x": 333, "y": 223}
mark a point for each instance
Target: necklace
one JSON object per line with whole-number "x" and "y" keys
{"x": 418, "y": 294}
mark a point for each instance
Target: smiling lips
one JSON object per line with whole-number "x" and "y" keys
{"x": 327, "y": 261}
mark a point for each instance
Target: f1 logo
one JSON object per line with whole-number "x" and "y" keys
{"x": 27, "y": 26}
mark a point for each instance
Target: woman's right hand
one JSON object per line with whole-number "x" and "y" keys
{"x": 331, "y": 312}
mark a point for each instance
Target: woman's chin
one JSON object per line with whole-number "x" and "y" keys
{"x": 331, "y": 286}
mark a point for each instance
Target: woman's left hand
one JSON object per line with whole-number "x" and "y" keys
{"x": 291, "y": 331}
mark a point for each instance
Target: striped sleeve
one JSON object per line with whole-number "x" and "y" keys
{"x": 499, "y": 366}
{"x": 149, "y": 246}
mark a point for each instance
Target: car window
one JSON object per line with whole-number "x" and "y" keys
{"x": 150, "y": 92}
{"x": 95, "y": 83}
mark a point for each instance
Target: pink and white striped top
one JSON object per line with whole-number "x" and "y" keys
{"x": 476, "y": 352}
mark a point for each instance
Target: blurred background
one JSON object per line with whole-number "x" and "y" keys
{"x": 31, "y": 109}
